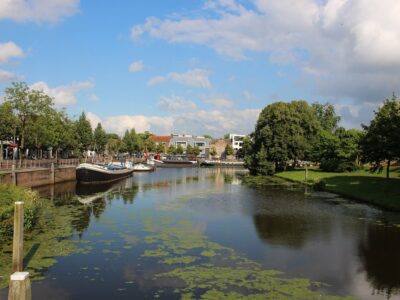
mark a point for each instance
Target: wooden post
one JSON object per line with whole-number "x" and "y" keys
{"x": 20, "y": 287}
{"x": 306, "y": 174}
{"x": 13, "y": 175}
{"x": 52, "y": 175}
{"x": 18, "y": 238}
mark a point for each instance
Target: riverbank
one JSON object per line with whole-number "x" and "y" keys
{"x": 359, "y": 185}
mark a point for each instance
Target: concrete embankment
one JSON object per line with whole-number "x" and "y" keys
{"x": 38, "y": 176}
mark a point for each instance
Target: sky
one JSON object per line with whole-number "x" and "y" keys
{"x": 201, "y": 67}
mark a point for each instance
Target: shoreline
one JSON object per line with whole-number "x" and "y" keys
{"x": 358, "y": 186}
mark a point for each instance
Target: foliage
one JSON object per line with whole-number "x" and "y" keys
{"x": 338, "y": 151}
{"x": 286, "y": 131}
{"x": 382, "y": 138}
{"x": 160, "y": 148}
{"x": 9, "y": 195}
{"x": 213, "y": 151}
{"x": 113, "y": 143}
{"x": 84, "y": 134}
{"x": 192, "y": 150}
{"x": 8, "y": 124}
{"x": 179, "y": 149}
{"x": 28, "y": 105}
{"x": 171, "y": 150}
{"x": 326, "y": 115}
{"x": 99, "y": 138}
{"x": 228, "y": 150}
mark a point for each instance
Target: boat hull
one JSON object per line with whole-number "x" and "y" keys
{"x": 89, "y": 174}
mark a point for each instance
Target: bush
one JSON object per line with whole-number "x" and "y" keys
{"x": 11, "y": 194}
{"x": 336, "y": 165}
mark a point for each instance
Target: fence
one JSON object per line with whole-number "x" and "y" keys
{"x": 40, "y": 163}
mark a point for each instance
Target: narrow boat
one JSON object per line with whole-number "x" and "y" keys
{"x": 142, "y": 168}
{"x": 91, "y": 173}
{"x": 219, "y": 163}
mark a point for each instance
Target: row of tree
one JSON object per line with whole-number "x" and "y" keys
{"x": 297, "y": 131}
{"x": 30, "y": 118}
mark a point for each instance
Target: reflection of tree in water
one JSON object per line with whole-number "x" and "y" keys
{"x": 291, "y": 231}
{"x": 287, "y": 218}
{"x": 379, "y": 254}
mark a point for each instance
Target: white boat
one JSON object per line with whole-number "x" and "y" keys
{"x": 142, "y": 168}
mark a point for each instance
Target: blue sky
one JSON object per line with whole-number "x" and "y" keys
{"x": 201, "y": 66}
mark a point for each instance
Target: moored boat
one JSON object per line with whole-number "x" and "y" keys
{"x": 91, "y": 173}
{"x": 222, "y": 163}
{"x": 143, "y": 168}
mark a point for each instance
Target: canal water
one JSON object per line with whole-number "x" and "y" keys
{"x": 205, "y": 234}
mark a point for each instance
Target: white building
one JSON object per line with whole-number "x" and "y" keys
{"x": 236, "y": 141}
{"x": 195, "y": 141}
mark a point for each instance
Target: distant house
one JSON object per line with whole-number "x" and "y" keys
{"x": 195, "y": 141}
{"x": 236, "y": 141}
{"x": 161, "y": 139}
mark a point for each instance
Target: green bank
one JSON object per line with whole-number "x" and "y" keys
{"x": 359, "y": 185}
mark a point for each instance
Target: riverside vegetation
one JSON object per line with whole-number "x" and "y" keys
{"x": 287, "y": 133}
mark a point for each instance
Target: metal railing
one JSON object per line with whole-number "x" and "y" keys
{"x": 39, "y": 163}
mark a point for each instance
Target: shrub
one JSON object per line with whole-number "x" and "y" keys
{"x": 9, "y": 195}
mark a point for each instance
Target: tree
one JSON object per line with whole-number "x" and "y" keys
{"x": 179, "y": 149}
{"x": 326, "y": 115}
{"x": 196, "y": 150}
{"x": 84, "y": 133}
{"x": 113, "y": 143}
{"x": 171, "y": 150}
{"x": 160, "y": 148}
{"x": 189, "y": 149}
{"x": 226, "y": 136}
{"x": 8, "y": 124}
{"x": 286, "y": 131}
{"x": 28, "y": 105}
{"x": 382, "y": 138}
{"x": 213, "y": 151}
{"x": 228, "y": 150}
{"x": 99, "y": 138}
{"x": 207, "y": 136}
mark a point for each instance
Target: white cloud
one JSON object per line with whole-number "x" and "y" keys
{"x": 219, "y": 102}
{"x": 249, "y": 95}
{"x": 136, "y": 66}
{"x": 9, "y": 50}
{"x": 195, "y": 78}
{"x": 176, "y": 104}
{"x": 37, "y": 10}
{"x": 214, "y": 122}
{"x": 64, "y": 95}
{"x": 6, "y": 76}
{"x": 345, "y": 49}
{"x": 94, "y": 98}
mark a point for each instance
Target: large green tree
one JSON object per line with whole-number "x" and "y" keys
{"x": 28, "y": 106}
{"x": 84, "y": 133}
{"x": 8, "y": 124}
{"x": 382, "y": 138}
{"x": 284, "y": 131}
{"x": 99, "y": 138}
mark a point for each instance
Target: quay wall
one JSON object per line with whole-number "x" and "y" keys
{"x": 39, "y": 176}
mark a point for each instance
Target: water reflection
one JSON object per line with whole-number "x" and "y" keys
{"x": 313, "y": 235}
{"x": 379, "y": 254}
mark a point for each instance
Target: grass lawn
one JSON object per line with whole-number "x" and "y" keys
{"x": 359, "y": 185}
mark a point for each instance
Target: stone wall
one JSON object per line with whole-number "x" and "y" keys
{"x": 38, "y": 177}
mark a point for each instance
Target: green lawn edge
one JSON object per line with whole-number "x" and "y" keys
{"x": 360, "y": 185}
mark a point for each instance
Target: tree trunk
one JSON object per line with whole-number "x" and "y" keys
{"x": 388, "y": 169}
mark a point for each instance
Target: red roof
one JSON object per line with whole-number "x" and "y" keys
{"x": 160, "y": 138}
